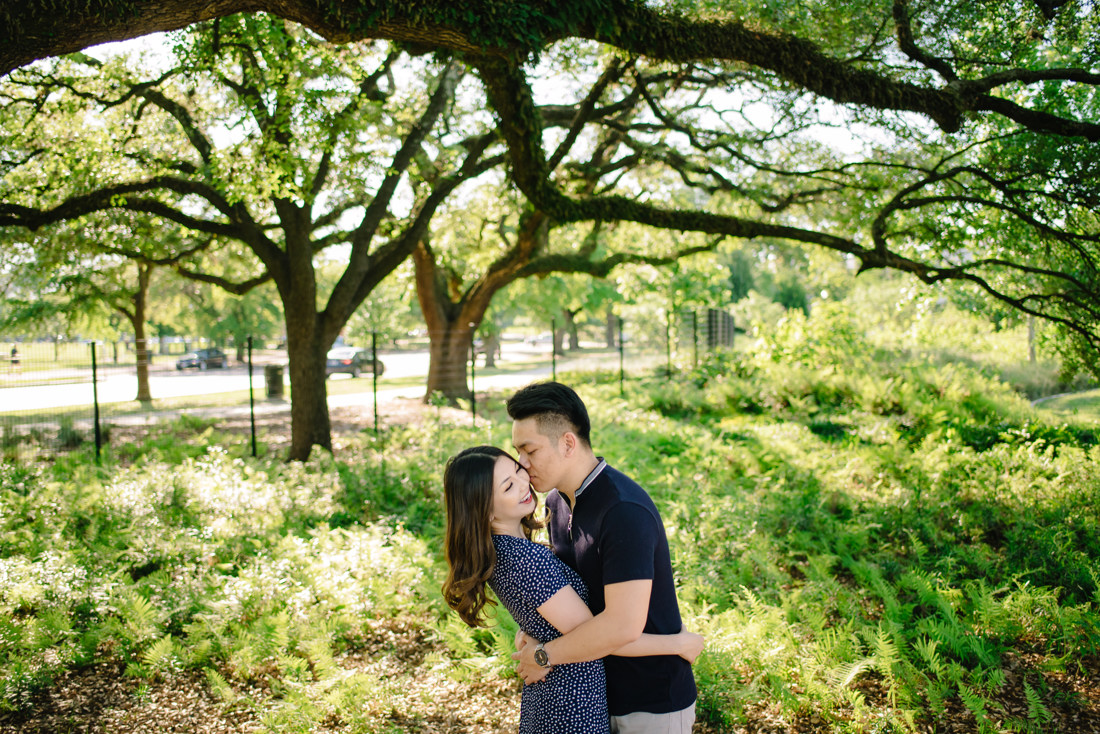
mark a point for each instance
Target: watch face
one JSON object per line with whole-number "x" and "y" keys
{"x": 541, "y": 657}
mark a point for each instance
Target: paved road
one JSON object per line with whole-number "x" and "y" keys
{"x": 365, "y": 399}
{"x": 120, "y": 386}
{"x": 70, "y": 388}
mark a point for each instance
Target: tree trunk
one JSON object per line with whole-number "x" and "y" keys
{"x": 449, "y": 350}
{"x": 307, "y": 337}
{"x": 453, "y": 317}
{"x": 451, "y": 327}
{"x": 571, "y": 328}
{"x": 491, "y": 347}
{"x": 137, "y": 319}
{"x": 306, "y": 348}
{"x": 609, "y": 328}
{"x": 1031, "y": 339}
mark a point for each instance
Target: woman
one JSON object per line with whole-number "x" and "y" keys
{"x": 490, "y": 519}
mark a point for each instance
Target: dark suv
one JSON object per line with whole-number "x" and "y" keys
{"x": 203, "y": 358}
{"x": 351, "y": 360}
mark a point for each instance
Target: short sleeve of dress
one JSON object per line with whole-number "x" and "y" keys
{"x": 628, "y": 543}
{"x": 529, "y": 572}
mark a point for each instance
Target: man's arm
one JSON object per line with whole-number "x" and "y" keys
{"x": 567, "y": 611}
{"x": 620, "y": 623}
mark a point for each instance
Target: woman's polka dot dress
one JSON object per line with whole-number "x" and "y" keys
{"x": 571, "y": 699}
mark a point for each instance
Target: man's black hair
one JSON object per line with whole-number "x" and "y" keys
{"x": 552, "y": 399}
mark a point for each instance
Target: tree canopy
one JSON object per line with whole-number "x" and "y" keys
{"x": 260, "y": 142}
{"x": 954, "y": 141}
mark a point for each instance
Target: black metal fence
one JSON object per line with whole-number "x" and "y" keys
{"x": 59, "y": 395}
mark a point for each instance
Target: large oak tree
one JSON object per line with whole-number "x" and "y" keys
{"x": 260, "y": 138}
{"x": 976, "y": 124}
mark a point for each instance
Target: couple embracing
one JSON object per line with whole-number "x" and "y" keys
{"x": 601, "y": 647}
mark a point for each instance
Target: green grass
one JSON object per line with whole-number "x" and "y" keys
{"x": 1082, "y": 406}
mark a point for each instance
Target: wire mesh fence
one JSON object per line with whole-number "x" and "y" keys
{"x": 59, "y": 395}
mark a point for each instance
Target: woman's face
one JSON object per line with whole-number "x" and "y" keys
{"x": 513, "y": 499}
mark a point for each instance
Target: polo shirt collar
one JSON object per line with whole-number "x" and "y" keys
{"x": 591, "y": 476}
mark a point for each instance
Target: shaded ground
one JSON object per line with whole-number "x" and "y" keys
{"x": 100, "y": 699}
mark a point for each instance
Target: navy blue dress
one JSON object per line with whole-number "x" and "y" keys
{"x": 572, "y": 698}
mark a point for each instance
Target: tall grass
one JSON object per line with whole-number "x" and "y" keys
{"x": 870, "y": 543}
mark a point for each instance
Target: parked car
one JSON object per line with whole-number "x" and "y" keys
{"x": 203, "y": 358}
{"x": 352, "y": 361}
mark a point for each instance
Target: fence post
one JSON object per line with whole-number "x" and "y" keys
{"x": 622, "y": 366}
{"x": 95, "y": 408}
{"x": 554, "y": 350}
{"x": 668, "y": 344}
{"x": 374, "y": 375}
{"x": 695, "y": 337}
{"x": 473, "y": 376}
{"x": 251, "y": 399}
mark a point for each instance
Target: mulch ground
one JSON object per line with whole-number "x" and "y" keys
{"x": 101, "y": 699}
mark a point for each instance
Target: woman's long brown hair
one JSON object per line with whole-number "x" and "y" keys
{"x": 468, "y": 491}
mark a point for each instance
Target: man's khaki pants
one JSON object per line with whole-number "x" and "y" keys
{"x": 642, "y": 722}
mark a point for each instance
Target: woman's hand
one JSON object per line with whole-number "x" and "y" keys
{"x": 522, "y": 640}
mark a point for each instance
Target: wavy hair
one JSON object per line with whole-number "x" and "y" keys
{"x": 468, "y": 492}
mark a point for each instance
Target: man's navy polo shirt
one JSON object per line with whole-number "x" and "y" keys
{"x": 615, "y": 534}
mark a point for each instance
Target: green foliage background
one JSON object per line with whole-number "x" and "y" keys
{"x": 871, "y": 541}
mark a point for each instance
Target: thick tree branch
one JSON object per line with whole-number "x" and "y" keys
{"x": 238, "y": 288}
{"x": 510, "y": 96}
{"x": 908, "y": 44}
{"x": 613, "y": 72}
{"x": 379, "y": 206}
{"x": 511, "y": 32}
{"x": 120, "y": 196}
{"x": 1037, "y": 120}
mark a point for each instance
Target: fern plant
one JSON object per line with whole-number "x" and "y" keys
{"x": 157, "y": 659}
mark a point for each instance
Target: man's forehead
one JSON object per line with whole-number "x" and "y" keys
{"x": 545, "y": 428}
{"x": 525, "y": 429}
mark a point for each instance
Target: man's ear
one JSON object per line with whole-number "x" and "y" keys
{"x": 569, "y": 444}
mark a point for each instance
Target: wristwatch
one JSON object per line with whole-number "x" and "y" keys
{"x": 541, "y": 657}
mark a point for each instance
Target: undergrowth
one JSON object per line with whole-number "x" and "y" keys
{"x": 870, "y": 544}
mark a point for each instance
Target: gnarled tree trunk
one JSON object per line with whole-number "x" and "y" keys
{"x": 452, "y": 317}
{"x": 137, "y": 321}
{"x": 306, "y": 350}
{"x": 449, "y": 347}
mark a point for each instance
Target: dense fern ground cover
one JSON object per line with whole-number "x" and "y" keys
{"x": 870, "y": 544}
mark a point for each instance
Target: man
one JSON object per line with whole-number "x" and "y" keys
{"x": 607, "y": 528}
